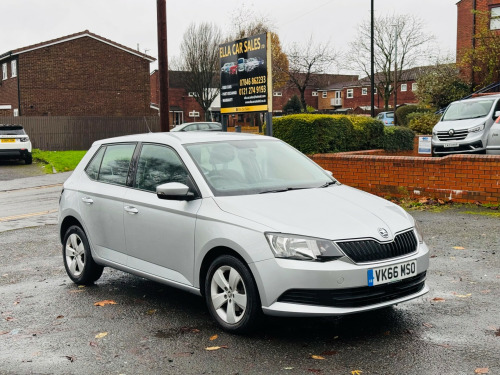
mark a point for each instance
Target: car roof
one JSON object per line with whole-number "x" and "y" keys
{"x": 182, "y": 137}
{"x": 481, "y": 98}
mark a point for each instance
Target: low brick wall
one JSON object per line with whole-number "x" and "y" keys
{"x": 461, "y": 178}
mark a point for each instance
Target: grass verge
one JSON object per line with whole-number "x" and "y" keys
{"x": 58, "y": 161}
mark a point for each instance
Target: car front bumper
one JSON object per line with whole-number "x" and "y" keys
{"x": 300, "y": 288}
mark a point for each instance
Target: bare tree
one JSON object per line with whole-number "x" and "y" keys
{"x": 306, "y": 65}
{"x": 397, "y": 32}
{"x": 200, "y": 58}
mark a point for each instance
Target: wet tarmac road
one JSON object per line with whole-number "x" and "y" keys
{"x": 50, "y": 326}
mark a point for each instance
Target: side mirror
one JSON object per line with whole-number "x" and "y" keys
{"x": 174, "y": 191}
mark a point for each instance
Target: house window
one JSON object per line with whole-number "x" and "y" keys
{"x": 404, "y": 87}
{"x": 16, "y": 112}
{"x": 324, "y": 94}
{"x": 350, "y": 93}
{"x": 495, "y": 18}
{"x": 4, "y": 71}
{"x": 191, "y": 94}
{"x": 13, "y": 68}
{"x": 414, "y": 86}
{"x": 375, "y": 90}
{"x": 364, "y": 91}
{"x": 277, "y": 93}
{"x": 314, "y": 93}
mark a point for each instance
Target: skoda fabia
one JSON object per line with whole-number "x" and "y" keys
{"x": 245, "y": 221}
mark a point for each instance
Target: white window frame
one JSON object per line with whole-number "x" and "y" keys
{"x": 324, "y": 94}
{"x": 4, "y": 71}
{"x": 374, "y": 90}
{"x": 350, "y": 93}
{"x": 277, "y": 93}
{"x": 13, "y": 68}
{"x": 403, "y": 87}
{"x": 191, "y": 94}
{"x": 314, "y": 93}
{"x": 15, "y": 112}
{"x": 364, "y": 91}
{"x": 495, "y": 18}
{"x": 414, "y": 86}
{"x": 194, "y": 114}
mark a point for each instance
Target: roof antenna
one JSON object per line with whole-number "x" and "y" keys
{"x": 147, "y": 124}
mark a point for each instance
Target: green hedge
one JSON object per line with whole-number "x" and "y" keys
{"x": 314, "y": 134}
{"x": 397, "y": 138}
{"x": 403, "y": 112}
{"x": 422, "y": 123}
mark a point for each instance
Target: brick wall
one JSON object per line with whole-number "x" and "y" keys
{"x": 461, "y": 178}
{"x": 8, "y": 90}
{"x": 83, "y": 77}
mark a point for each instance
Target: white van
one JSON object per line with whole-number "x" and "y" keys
{"x": 468, "y": 126}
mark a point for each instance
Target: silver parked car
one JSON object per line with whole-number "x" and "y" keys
{"x": 244, "y": 220}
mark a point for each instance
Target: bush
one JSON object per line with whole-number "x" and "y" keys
{"x": 368, "y": 132}
{"x": 398, "y": 138}
{"x": 403, "y": 112}
{"x": 293, "y": 105}
{"x": 312, "y": 134}
{"x": 422, "y": 123}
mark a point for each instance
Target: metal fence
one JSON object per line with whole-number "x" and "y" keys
{"x": 78, "y": 133}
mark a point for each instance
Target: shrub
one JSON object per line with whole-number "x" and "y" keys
{"x": 313, "y": 134}
{"x": 368, "y": 132}
{"x": 422, "y": 123}
{"x": 398, "y": 138}
{"x": 293, "y": 105}
{"x": 403, "y": 112}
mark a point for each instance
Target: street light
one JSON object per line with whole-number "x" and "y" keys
{"x": 395, "y": 89}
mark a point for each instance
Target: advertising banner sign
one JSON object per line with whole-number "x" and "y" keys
{"x": 245, "y": 75}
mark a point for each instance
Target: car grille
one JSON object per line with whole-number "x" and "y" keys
{"x": 371, "y": 250}
{"x": 458, "y": 135}
{"x": 355, "y": 297}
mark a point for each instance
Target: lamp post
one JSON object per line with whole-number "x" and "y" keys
{"x": 395, "y": 89}
{"x": 372, "y": 78}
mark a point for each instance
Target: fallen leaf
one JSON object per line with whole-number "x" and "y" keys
{"x": 211, "y": 348}
{"x": 329, "y": 352}
{"x": 213, "y": 337}
{"x": 459, "y": 248}
{"x": 16, "y": 303}
{"x": 75, "y": 291}
{"x": 482, "y": 370}
{"x": 428, "y": 325}
{"x": 151, "y": 312}
{"x": 9, "y": 318}
{"x": 93, "y": 343}
{"x": 101, "y": 335}
{"x": 3, "y": 332}
{"x": 105, "y": 302}
{"x": 440, "y": 201}
{"x": 71, "y": 358}
{"x": 81, "y": 286}
{"x": 497, "y": 332}
{"x": 356, "y": 372}
{"x": 464, "y": 295}
{"x": 60, "y": 317}
{"x": 438, "y": 299}
{"x": 317, "y": 357}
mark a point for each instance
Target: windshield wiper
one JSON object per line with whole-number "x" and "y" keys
{"x": 329, "y": 183}
{"x": 283, "y": 190}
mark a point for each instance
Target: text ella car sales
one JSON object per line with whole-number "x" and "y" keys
{"x": 241, "y": 47}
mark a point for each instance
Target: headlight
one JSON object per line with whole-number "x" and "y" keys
{"x": 476, "y": 129}
{"x": 302, "y": 248}
{"x": 418, "y": 231}
{"x": 25, "y": 139}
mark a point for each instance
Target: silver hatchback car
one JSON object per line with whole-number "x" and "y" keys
{"x": 246, "y": 221}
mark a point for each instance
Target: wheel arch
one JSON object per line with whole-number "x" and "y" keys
{"x": 66, "y": 223}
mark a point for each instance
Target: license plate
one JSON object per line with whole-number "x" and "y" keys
{"x": 450, "y": 145}
{"x": 8, "y": 140}
{"x": 389, "y": 274}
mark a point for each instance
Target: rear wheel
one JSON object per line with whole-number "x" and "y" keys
{"x": 231, "y": 294}
{"x": 78, "y": 261}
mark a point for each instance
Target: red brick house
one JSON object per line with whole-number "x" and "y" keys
{"x": 82, "y": 74}
{"x": 356, "y": 94}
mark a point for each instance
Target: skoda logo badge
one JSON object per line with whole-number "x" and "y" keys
{"x": 383, "y": 232}
{"x": 451, "y": 132}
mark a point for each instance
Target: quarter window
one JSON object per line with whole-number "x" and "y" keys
{"x": 159, "y": 165}
{"x": 114, "y": 167}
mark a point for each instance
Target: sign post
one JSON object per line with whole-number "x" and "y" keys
{"x": 246, "y": 77}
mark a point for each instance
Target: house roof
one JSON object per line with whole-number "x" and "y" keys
{"x": 67, "y": 38}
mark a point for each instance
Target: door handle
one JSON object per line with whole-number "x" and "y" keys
{"x": 87, "y": 200}
{"x": 131, "y": 210}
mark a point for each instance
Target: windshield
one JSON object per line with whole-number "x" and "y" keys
{"x": 467, "y": 110}
{"x": 389, "y": 115}
{"x": 255, "y": 167}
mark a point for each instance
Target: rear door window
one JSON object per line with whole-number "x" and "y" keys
{"x": 112, "y": 163}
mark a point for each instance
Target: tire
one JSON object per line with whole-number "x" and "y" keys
{"x": 231, "y": 295}
{"x": 28, "y": 159}
{"x": 80, "y": 266}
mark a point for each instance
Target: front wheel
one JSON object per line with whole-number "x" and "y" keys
{"x": 231, "y": 295}
{"x": 77, "y": 257}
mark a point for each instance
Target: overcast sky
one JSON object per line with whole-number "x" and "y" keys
{"x": 133, "y": 22}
